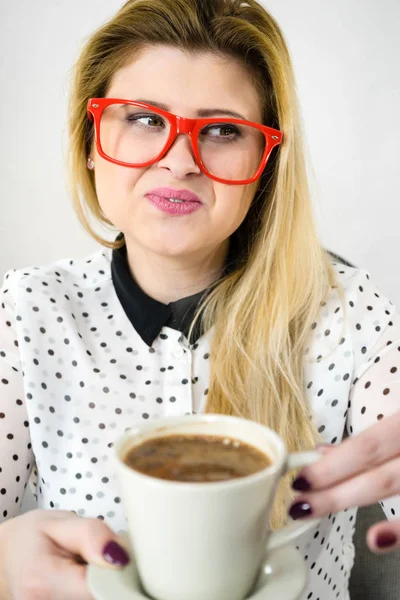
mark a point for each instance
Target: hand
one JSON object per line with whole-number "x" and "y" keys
{"x": 361, "y": 471}
{"x": 43, "y": 554}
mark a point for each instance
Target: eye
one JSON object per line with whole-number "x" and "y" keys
{"x": 150, "y": 121}
{"x": 221, "y": 131}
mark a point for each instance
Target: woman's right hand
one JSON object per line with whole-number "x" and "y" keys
{"x": 43, "y": 555}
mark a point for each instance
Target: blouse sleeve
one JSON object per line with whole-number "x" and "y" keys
{"x": 375, "y": 393}
{"x": 16, "y": 456}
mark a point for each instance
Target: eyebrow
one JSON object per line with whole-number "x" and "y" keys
{"x": 202, "y": 112}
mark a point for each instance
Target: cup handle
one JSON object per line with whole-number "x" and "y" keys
{"x": 293, "y": 530}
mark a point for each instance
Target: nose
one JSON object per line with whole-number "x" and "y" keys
{"x": 180, "y": 159}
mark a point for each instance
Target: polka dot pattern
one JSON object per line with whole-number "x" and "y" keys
{"x": 75, "y": 375}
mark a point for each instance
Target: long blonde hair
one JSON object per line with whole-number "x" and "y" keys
{"x": 263, "y": 311}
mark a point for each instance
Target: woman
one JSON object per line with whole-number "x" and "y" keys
{"x": 216, "y": 295}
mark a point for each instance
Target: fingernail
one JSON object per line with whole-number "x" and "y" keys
{"x": 115, "y": 554}
{"x": 300, "y": 510}
{"x": 385, "y": 540}
{"x": 301, "y": 484}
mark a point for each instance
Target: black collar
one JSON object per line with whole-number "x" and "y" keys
{"x": 148, "y": 316}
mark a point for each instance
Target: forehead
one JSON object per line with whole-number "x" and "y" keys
{"x": 188, "y": 82}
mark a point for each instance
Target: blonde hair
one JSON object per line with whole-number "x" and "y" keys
{"x": 263, "y": 311}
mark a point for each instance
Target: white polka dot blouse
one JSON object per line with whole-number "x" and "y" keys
{"x": 75, "y": 373}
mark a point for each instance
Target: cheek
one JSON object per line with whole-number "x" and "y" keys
{"x": 233, "y": 203}
{"x": 114, "y": 187}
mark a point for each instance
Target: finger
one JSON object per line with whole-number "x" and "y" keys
{"x": 325, "y": 448}
{"x": 90, "y": 539}
{"x": 371, "y": 448}
{"x": 361, "y": 490}
{"x": 58, "y": 578}
{"x": 384, "y": 537}
{"x": 69, "y": 581}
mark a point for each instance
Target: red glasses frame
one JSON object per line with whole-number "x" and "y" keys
{"x": 179, "y": 125}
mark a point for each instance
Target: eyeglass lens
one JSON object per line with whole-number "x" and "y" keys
{"x": 135, "y": 135}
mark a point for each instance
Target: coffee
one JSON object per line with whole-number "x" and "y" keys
{"x": 196, "y": 458}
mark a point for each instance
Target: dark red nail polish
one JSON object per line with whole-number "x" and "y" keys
{"x": 115, "y": 554}
{"x": 300, "y": 510}
{"x": 301, "y": 484}
{"x": 385, "y": 540}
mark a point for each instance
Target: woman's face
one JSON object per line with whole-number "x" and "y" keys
{"x": 185, "y": 85}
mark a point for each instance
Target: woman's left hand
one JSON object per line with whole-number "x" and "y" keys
{"x": 361, "y": 471}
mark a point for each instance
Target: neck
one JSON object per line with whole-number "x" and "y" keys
{"x": 167, "y": 279}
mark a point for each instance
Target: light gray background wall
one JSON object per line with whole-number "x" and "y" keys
{"x": 346, "y": 57}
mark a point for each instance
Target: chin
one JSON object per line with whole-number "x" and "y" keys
{"x": 174, "y": 251}
{"x": 166, "y": 242}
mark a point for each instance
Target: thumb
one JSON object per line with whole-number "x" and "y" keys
{"x": 384, "y": 537}
{"x": 90, "y": 539}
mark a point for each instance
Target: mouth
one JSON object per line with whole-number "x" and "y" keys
{"x": 176, "y": 201}
{"x": 175, "y": 196}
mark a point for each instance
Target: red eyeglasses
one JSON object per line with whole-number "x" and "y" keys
{"x": 136, "y": 134}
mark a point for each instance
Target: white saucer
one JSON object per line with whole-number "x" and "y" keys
{"x": 284, "y": 575}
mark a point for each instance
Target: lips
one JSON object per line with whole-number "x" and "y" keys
{"x": 170, "y": 193}
{"x": 175, "y": 203}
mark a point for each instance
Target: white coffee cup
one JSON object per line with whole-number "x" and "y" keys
{"x": 205, "y": 541}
